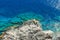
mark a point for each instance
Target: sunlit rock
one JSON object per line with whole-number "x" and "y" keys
{"x": 48, "y": 34}
{"x": 30, "y": 30}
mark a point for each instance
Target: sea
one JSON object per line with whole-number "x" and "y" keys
{"x": 49, "y": 11}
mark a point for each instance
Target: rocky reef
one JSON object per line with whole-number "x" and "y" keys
{"x": 47, "y": 24}
{"x": 29, "y": 30}
{"x": 19, "y": 19}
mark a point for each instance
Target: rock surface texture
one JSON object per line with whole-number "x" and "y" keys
{"x": 30, "y": 30}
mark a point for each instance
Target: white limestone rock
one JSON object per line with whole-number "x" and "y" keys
{"x": 48, "y": 34}
{"x": 30, "y": 30}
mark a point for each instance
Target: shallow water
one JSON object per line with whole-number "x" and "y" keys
{"x": 43, "y": 10}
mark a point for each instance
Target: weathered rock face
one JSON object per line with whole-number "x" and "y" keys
{"x": 30, "y": 30}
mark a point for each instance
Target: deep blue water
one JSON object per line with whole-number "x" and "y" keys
{"x": 46, "y": 8}
{"x": 10, "y": 8}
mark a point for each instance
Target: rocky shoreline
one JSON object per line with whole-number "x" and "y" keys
{"x": 30, "y": 30}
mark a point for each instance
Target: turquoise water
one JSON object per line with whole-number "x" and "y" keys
{"x": 14, "y": 12}
{"x": 22, "y": 17}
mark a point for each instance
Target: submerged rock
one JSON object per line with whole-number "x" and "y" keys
{"x": 19, "y": 19}
{"x": 30, "y": 30}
